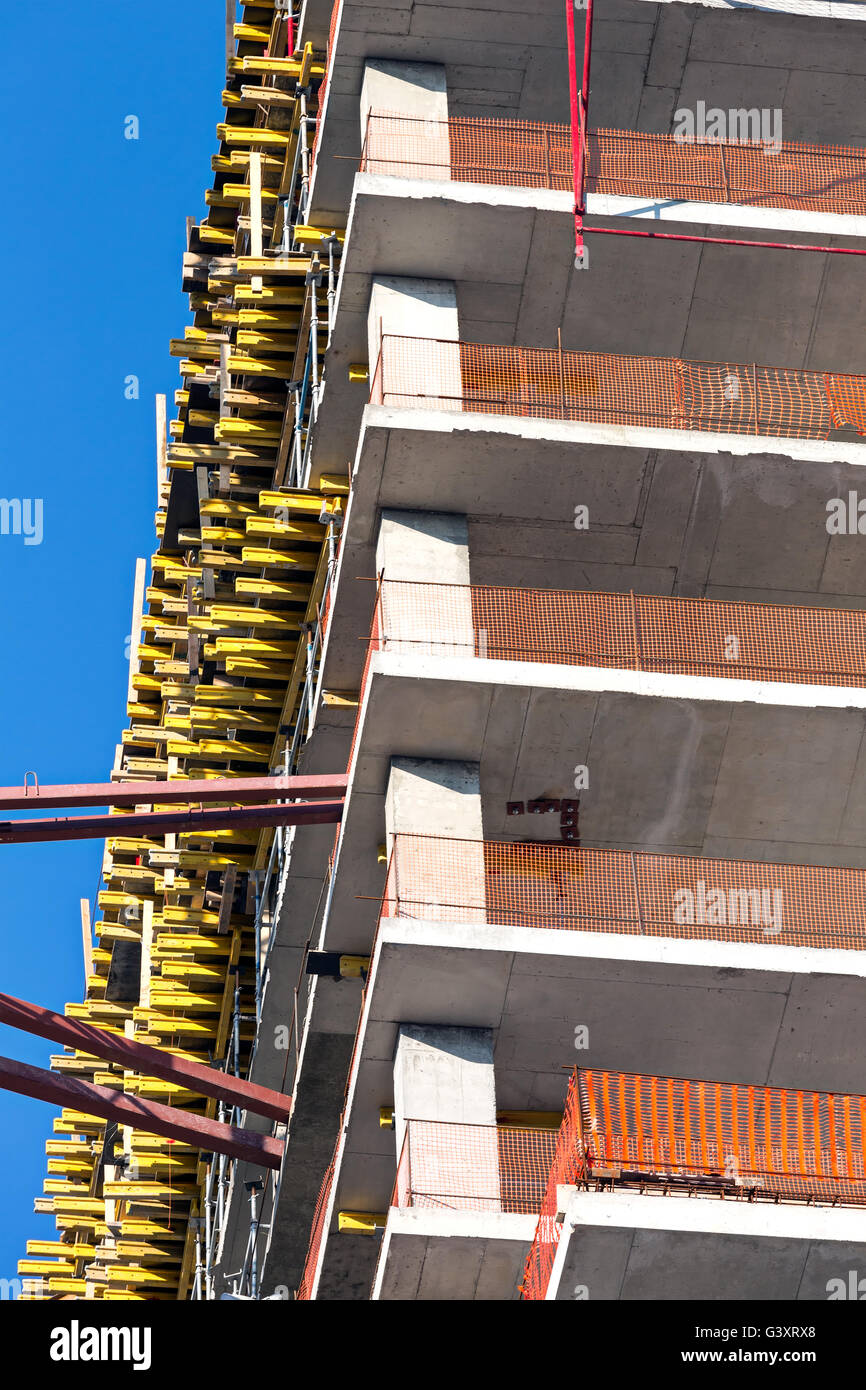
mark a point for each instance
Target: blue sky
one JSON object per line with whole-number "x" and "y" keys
{"x": 93, "y": 238}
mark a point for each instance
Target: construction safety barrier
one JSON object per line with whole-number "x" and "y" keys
{"x": 701, "y": 1137}
{"x": 566, "y": 1168}
{"x": 498, "y": 883}
{"x": 462, "y": 1167}
{"x": 794, "y": 1144}
{"x": 623, "y": 163}
{"x": 326, "y": 81}
{"x": 603, "y": 388}
{"x": 317, "y": 1231}
{"x": 636, "y": 632}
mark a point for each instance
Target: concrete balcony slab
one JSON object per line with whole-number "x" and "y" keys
{"x": 626, "y": 1246}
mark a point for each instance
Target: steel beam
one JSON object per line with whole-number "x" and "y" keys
{"x": 24, "y": 832}
{"x": 141, "y": 1057}
{"x": 238, "y": 791}
{"x": 168, "y": 1121}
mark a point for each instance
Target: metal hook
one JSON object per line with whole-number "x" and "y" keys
{"x": 35, "y": 783}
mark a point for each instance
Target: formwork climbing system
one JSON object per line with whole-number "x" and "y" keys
{"x": 222, "y": 674}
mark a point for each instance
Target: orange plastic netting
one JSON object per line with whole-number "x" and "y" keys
{"x": 667, "y": 392}
{"x": 317, "y": 1230}
{"x": 544, "y": 885}
{"x": 473, "y": 1167}
{"x": 779, "y": 1144}
{"x": 700, "y": 637}
{"x": 793, "y": 1143}
{"x": 533, "y": 154}
{"x": 565, "y": 1170}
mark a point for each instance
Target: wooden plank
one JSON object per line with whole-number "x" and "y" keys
{"x": 256, "y": 245}
{"x": 225, "y": 912}
{"x": 86, "y": 938}
{"x": 146, "y": 945}
{"x": 161, "y": 450}
{"x": 225, "y": 379}
{"x": 135, "y": 630}
{"x": 231, "y": 15}
{"x": 203, "y": 488}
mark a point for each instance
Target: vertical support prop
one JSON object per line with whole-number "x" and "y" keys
{"x": 231, "y": 12}
{"x": 135, "y": 630}
{"x": 86, "y": 940}
{"x": 162, "y": 478}
{"x": 256, "y": 240}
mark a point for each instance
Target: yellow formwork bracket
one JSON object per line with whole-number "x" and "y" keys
{"x": 311, "y": 235}
{"x": 354, "y": 967}
{"x": 530, "y": 1119}
{"x": 361, "y": 1223}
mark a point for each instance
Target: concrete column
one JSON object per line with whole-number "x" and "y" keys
{"x": 414, "y": 325}
{"x": 434, "y": 841}
{"x": 426, "y": 549}
{"x": 445, "y": 1075}
{"x": 404, "y": 120}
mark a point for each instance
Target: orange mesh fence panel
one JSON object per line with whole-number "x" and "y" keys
{"x": 792, "y": 1144}
{"x": 701, "y": 637}
{"x": 602, "y": 388}
{"x": 460, "y": 1167}
{"x": 624, "y": 163}
{"x": 563, "y": 887}
{"x": 848, "y": 402}
{"x": 811, "y": 178}
{"x": 565, "y": 1170}
{"x": 323, "y": 87}
{"x": 305, "y": 1288}
{"x": 373, "y": 646}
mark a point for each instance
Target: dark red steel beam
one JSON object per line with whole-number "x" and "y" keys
{"x": 727, "y": 241}
{"x": 141, "y": 1057}
{"x": 24, "y": 832}
{"x": 165, "y": 1120}
{"x": 237, "y": 790}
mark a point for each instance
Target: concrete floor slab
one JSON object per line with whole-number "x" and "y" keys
{"x": 712, "y": 303}
{"x": 670, "y": 512}
{"x": 673, "y": 761}
{"x": 452, "y": 1256}
{"x": 623, "y": 1246}
{"x": 732, "y": 1012}
{"x": 649, "y": 59}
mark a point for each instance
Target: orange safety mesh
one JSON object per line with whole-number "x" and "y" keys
{"x": 603, "y": 388}
{"x": 373, "y": 646}
{"x": 473, "y": 1167}
{"x": 700, "y": 637}
{"x": 499, "y": 883}
{"x": 795, "y": 1145}
{"x": 778, "y": 1144}
{"x": 305, "y": 1288}
{"x": 625, "y": 163}
{"x": 325, "y": 83}
{"x": 565, "y": 1170}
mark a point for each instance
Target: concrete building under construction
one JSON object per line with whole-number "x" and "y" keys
{"x": 507, "y": 610}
